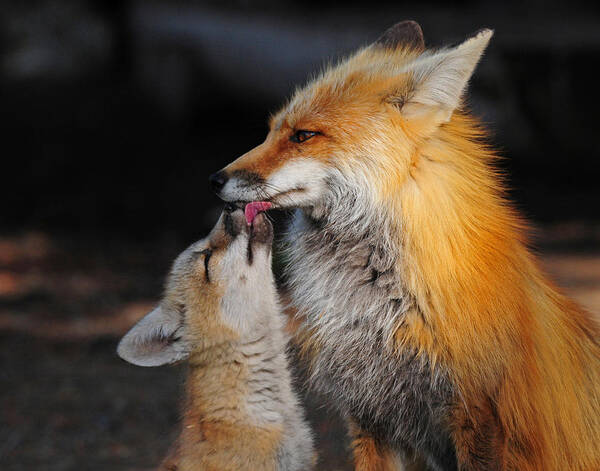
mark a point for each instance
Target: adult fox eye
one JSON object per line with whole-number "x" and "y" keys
{"x": 301, "y": 136}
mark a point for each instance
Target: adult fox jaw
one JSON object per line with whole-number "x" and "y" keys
{"x": 220, "y": 312}
{"x": 427, "y": 319}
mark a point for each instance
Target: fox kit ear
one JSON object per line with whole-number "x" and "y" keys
{"x": 438, "y": 80}
{"x": 155, "y": 340}
{"x": 405, "y": 33}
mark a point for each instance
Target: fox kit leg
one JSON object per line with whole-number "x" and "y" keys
{"x": 369, "y": 455}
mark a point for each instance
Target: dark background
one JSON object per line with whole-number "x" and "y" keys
{"x": 114, "y": 113}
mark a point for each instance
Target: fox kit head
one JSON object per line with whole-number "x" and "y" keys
{"x": 363, "y": 119}
{"x": 218, "y": 290}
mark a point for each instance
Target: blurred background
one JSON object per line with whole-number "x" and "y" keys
{"x": 115, "y": 112}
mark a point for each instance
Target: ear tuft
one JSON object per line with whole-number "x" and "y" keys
{"x": 404, "y": 33}
{"x": 154, "y": 340}
{"x": 439, "y": 78}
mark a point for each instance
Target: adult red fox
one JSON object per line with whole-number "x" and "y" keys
{"x": 426, "y": 318}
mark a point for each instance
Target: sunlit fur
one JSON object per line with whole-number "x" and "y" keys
{"x": 241, "y": 412}
{"x": 427, "y": 319}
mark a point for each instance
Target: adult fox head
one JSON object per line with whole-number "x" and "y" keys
{"x": 363, "y": 119}
{"x": 218, "y": 290}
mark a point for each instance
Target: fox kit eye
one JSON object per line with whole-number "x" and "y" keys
{"x": 207, "y": 254}
{"x": 302, "y": 135}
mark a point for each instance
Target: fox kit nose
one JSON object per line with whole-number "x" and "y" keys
{"x": 217, "y": 181}
{"x": 262, "y": 230}
{"x": 235, "y": 221}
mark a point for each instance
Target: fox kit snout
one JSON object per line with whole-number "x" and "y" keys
{"x": 220, "y": 312}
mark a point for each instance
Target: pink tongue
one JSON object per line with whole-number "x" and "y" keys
{"x": 252, "y": 209}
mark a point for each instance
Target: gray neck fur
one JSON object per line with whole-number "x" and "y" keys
{"x": 343, "y": 278}
{"x": 343, "y": 261}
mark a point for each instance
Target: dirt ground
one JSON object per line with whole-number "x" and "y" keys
{"x": 68, "y": 402}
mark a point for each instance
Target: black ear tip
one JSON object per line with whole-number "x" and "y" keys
{"x": 406, "y": 33}
{"x": 409, "y": 24}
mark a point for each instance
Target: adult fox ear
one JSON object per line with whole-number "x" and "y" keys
{"x": 155, "y": 340}
{"x": 405, "y": 33}
{"x": 437, "y": 80}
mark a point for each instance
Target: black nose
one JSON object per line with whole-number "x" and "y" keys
{"x": 217, "y": 181}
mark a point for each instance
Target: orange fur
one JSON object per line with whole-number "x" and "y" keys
{"x": 503, "y": 329}
{"x": 368, "y": 454}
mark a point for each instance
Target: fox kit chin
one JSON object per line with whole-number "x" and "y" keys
{"x": 426, "y": 318}
{"x": 220, "y": 312}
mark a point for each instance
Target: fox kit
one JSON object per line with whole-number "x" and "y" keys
{"x": 425, "y": 317}
{"x": 220, "y": 312}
